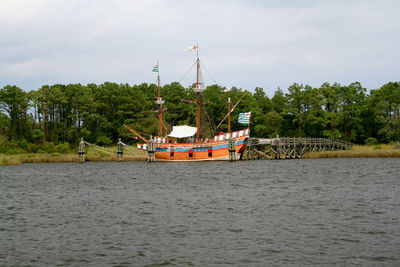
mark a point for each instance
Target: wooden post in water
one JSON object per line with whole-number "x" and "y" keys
{"x": 277, "y": 141}
{"x": 279, "y": 148}
{"x": 120, "y": 150}
{"x": 294, "y": 147}
{"x": 151, "y": 152}
{"x": 81, "y": 151}
{"x": 232, "y": 150}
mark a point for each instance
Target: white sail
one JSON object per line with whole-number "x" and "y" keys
{"x": 183, "y": 131}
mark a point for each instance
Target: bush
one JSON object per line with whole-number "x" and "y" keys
{"x": 371, "y": 141}
{"x": 37, "y": 135}
{"x": 48, "y": 147}
{"x": 32, "y": 148}
{"x": 103, "y": 141}
{"x": 12, "y": 151}
{"x": 63, "y": 148}
{"x": 23, "y": 144}
{"x": 3, "y": 143}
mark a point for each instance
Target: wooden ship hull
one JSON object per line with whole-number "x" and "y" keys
{"x": 217, "y": 149}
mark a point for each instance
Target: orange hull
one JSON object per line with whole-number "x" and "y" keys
{"x": 214, "y": 154}
{"x": 218, "y": 149}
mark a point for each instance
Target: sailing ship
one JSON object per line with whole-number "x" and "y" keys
{"x": 186, "y": 143}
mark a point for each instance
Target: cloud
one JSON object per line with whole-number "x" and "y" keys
{"x": 242, "y": 43}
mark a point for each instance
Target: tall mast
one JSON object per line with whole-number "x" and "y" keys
{"x": 159, "y": 102}
{"x": 198, "y": 94}
{"x": 160, "y": 131}
{"x": 229, "y": 112}
{"x": 198, "y": 88}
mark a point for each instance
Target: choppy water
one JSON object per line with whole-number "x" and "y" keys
{"x": 252, "y": 213}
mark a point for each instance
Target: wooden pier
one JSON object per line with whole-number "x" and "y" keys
{"x": 290, "y": 147}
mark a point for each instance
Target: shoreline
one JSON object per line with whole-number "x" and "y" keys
{"x": 377, "y": 151}
{"x": 357, "y": 151}
{"x": 16, "y": 159}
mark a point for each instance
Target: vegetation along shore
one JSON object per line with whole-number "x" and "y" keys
{"x": 91, "y": 154}
{"x": 364, "y": 151}
{"x": 375, "y": 151}
{"x": 46, "y": 124}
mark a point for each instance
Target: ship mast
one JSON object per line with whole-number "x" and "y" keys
{"x": 198, "y": 94}
{"x": 198, "y": 89}
{"x": 229, "y": 112}
{"x": 159, "y": 102}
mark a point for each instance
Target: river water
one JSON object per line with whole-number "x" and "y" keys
{"x": 251, "y": 213}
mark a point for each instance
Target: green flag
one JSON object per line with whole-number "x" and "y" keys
{"x": 244, "y": 118}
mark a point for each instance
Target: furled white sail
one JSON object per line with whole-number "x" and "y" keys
{"x": 183, "y": 131}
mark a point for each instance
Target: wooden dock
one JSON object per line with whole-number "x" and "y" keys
{"x": 290, "y": 147}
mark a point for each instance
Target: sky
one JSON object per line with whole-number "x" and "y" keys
{"x": 246, "y": 44}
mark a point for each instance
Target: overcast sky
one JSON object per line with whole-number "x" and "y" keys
{"x": 246, "y": 44}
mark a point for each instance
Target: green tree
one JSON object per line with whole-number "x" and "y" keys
{"x": 14, "y": 102}
{"x": 385, "y": 104}
{"x": 352, "y": 103}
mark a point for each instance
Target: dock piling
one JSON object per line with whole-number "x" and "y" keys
{"x": 151, "y": 151}
{"x": 120, "y": 150}
{"x": 232, "y": 150}
{"x": 81, "y": 152}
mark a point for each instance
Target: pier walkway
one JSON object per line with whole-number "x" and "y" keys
{"x": 290, "y": 147}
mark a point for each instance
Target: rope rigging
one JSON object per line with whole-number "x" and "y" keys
{"x": 110, "y": 151}
{"x": 208, "y": 72}
{"x": 184, "y": 76}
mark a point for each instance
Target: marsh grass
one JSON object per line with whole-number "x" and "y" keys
{"x": 373, "y": 151}
{"x": 95, "y": 155}
{"x": 91, "y": 155}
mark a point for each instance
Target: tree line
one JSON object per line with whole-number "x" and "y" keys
{"x": 59, "y": 115}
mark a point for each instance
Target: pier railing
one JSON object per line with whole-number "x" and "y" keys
{"x": 291, "y": 147}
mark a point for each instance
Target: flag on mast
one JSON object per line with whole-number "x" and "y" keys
{"x": 193, "y": 48}
{"x": 244, "y": 118}
{"x": 155, "y": 68}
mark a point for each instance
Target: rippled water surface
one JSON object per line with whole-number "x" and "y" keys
{"x": 252, "y": 213}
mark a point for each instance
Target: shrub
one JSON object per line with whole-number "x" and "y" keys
{"x": 63, "y": 148}
{"x": 37, "y": 135}
{"x": 23, "y": 144}
{"x": 32, "y": 148}
{"x": 371, "y": 141}
{"x": 103, "y": 141}
{"x": 12, "y": 151}
{"x": 3, "y": 143}
{"x": 48, "y": 147}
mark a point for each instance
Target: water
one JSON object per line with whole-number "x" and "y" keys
{"x": 252, "y": 213}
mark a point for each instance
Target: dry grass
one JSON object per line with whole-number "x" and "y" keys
{"x": 9, "y": 160}
{"x": 91, "y": 155}
{"x": 36, "y": 158}
{"x": 376, "y": 151}
{"x": 96, "y": 155}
